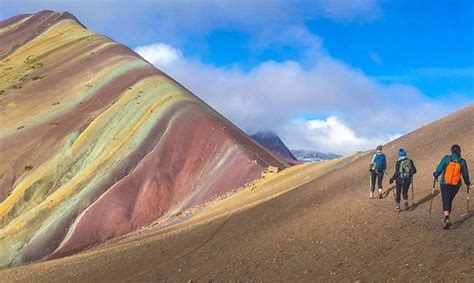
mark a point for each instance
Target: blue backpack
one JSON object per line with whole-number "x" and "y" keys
{"x": 379, "y": 161}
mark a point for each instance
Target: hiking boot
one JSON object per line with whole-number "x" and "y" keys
{"x": 380, "y": 195}
{"x": 446, "y": 223}
{"x": 371, "y": 196}
{"x": 397, "y": 208}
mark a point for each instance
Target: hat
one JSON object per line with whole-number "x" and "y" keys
{"x": 379, "y": 147}
{"x": 402, "y": 153}
{"x": 456, "y": 149}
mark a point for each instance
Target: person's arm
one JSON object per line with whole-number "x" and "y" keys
{"x": 441, "y": 166}
{"x": 397, "y": 171}
{"x": 465, "y": 173}
{"x": 372, "y": 162}
{"x": 413, "y": 166}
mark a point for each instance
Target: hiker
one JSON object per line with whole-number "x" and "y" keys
{"x": 450, "y": 169}
{"x": 378, "y": 164}
{"x": 404, "y": 171}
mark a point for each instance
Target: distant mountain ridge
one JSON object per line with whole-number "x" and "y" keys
{"x": 273, "y": 142}
{"x": 307, "y": 156}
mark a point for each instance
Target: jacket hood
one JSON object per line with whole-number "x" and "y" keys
{"x": 455, "y": 156}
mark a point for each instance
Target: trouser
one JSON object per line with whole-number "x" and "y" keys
{"x": 376, "y": 176}
{"x": 448, "y": 192}
{"x": 403, "y": 190}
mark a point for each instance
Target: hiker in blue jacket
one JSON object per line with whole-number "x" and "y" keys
{"x": 404, "y": 171}
{"x": 451, "y": 168}
{"x": 378, "y": 165}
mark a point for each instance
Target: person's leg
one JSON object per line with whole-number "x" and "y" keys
{"x": 453, "y": 190}
{"x": 373, "y": 176}
{"x": 446, "y": 205}
{"x": 397, "y": 195}
{"x": 448, "y": 193}
{"x": 406, "y": 187}
{"x": 445, "y": 199}
{"x": 379, "y": 184}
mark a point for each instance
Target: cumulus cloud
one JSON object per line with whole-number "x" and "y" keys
{"x": 330, "y": 135}
{"x": 362, "y": 111}
{"x": 159, "y": 54}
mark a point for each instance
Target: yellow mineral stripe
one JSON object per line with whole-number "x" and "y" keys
{"x": 56, "y": 35}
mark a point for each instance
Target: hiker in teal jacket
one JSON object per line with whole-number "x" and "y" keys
{"x": 451, "y": 168}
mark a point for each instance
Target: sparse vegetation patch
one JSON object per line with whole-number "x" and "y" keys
{"x": 30, "y": 60}
{"x": 35, "y": 66}
{"x": 11, "y": 105}
{"x": 14, "y": 87}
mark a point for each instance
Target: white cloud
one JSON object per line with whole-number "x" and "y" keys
{"x": 333, "y": 131}
{"x": 159, "y": 53}
{"x": 329, "y": 135}
{"x": 363, "y": 112}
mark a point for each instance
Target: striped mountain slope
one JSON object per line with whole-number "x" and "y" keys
{"x": 95, "y": 142}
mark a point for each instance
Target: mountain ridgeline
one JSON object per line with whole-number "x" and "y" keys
{"x": 273, "y": 142}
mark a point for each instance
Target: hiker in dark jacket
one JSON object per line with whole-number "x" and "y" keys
{"x": 378, "y": 164}
{"x": 404, "y": 171}
{"x": 451, "y": 168}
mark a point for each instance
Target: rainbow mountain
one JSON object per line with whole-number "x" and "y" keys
{"x": 96, "y": 143}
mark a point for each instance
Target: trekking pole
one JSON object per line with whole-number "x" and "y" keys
{"x": 432, "y": 193}
{"x": 370, "y": 185}
{"x": 466, "y": 215}
{"x": 467, "y": 201}
{"x": 467, "y": 204}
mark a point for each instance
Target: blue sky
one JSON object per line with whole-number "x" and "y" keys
{"x": 326, "y": 75}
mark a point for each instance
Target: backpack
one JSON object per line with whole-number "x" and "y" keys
{"x": 379, "y": 161}
{"x": 405, "y": 170}
{"x": 452, "y": 173}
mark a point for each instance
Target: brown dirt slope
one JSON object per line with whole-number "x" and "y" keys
{"x": 325, "y": 230}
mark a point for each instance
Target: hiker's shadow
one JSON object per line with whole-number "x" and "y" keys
{"x": 458, "y": 223}
{"x": 425, "y": 199}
